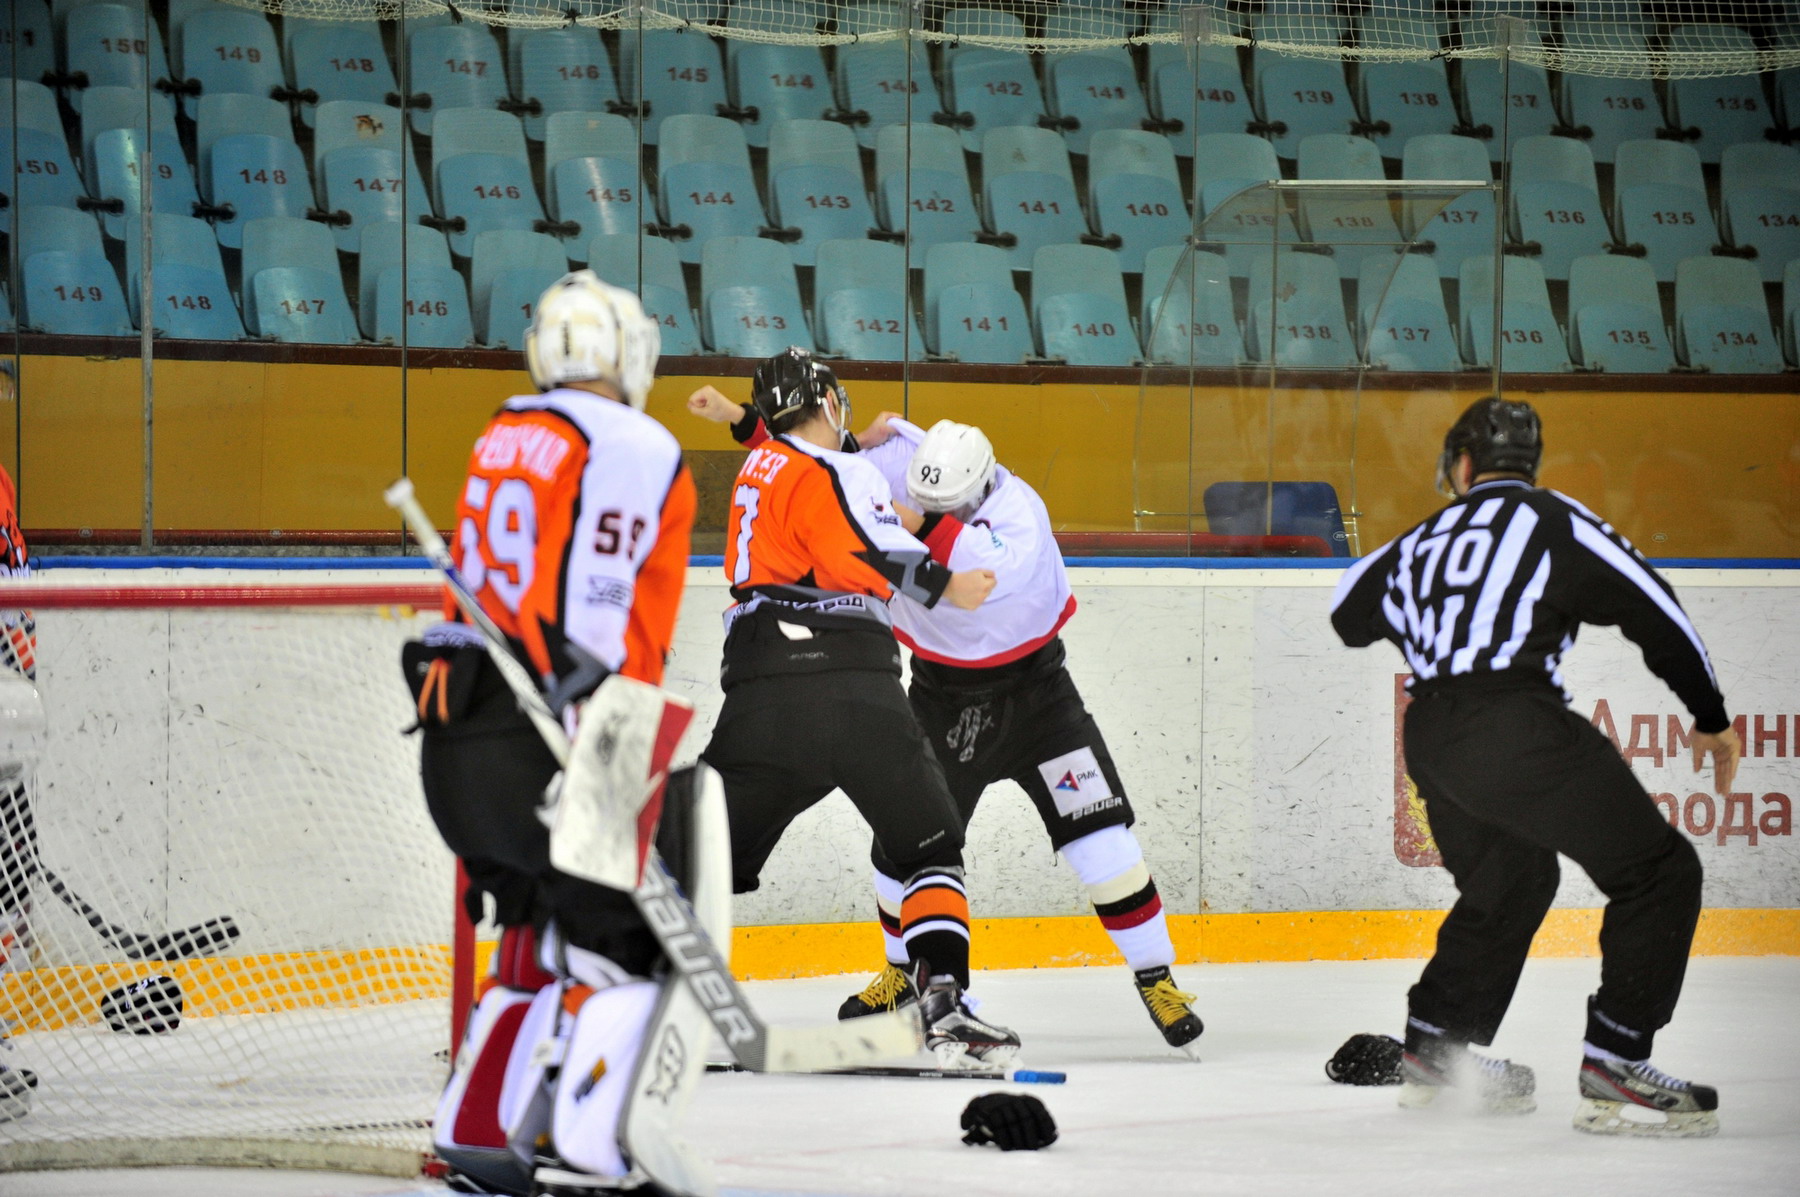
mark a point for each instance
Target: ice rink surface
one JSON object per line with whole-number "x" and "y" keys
{"x": 1254, "y": 1116}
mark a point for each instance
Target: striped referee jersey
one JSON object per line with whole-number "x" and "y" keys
{"x": 1500, "y": 581}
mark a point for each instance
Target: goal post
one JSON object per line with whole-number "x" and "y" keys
{"x": 227, "y": 750}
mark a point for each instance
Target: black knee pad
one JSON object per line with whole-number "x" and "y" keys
{"x": 1680, "y": 865}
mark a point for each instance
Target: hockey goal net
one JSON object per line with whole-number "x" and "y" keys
{"x": 210, "y": 753}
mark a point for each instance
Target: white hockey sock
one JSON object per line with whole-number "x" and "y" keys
{"x": 888, "y": 893}
{"x": 1110, "y": 862}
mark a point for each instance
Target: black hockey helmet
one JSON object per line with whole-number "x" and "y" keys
{"x": 789, "y": 387}
{"x": 1501, "y": 436}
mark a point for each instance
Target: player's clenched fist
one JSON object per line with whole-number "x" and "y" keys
{"x": 709, "y": 404}
{"x": 969, "y": 588}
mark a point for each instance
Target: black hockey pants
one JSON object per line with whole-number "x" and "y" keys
{"x": 1510, "y": 778}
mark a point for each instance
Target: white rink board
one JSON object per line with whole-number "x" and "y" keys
{"x": 1258, "y": 752}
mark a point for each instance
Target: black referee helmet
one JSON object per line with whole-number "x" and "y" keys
{"x": 1501, "y": 436}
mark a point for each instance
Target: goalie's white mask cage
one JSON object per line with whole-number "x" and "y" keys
{"x": 229, "y": 752}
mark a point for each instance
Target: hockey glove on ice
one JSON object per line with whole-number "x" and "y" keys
{"x": 1366, "y": 1060}
{"x": 1010, "y": 1121}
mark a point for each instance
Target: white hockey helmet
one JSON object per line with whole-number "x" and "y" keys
{"x": 586, "y": 330}
{"x": 952, "y": 468}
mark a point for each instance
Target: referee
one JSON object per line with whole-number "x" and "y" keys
{"x": 1484, "y": 598}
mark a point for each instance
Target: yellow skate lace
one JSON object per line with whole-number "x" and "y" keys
{"x": 885, "y": 989}
{"x": 1167, "y": 1003}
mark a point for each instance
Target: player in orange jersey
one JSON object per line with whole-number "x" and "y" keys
{"x": 815, "y": 547}
{"x": 572, "y": 531}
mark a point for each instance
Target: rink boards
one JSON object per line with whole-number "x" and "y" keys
{"x": 1259, "y": 754}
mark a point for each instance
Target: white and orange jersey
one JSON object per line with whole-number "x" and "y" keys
{"x": 810, "y": 526}
{"x": 1010, "y": 534}
{"x": 573, "y": 531}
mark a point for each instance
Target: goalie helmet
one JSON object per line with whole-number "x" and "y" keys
{"x": 789, "y": 387}
{"x": 952, "y": 468}
{"x": 1499, "y": 435}
{"x": 585, "y": 330}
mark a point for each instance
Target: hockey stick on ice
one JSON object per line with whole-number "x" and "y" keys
{"x": 1017, "y": 1076}
{"x": 757, "y": 1046}
{"x": 179, "y": 944}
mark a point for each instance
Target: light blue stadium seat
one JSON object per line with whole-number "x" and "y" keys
{"x": 596, "y": 195}
{"x": 436, "y": 306}
{"x": 191, "y": 304}
{"x": 706, "y": 185}
{"x": 618, "y": 259}
{"x": 175, "y": 240}
{"x": 668, "y": 306}
{"x": 562, "y": 70}
{"x": 224, "y": 114}
{"x": 75, "y": 294}
{"x": 45, "y": 175}
{"x": 1556, "y": 202}
{"x": 499, "y": 250}
{"x": 872, "y": 81}
{"x": 255, "y": 176}
{"x": 457, "y": 131}
{"x": 1402, "y": 100}
{"x": 1296, "y": 311}
{"x": 301, "y": 305}
{"x": 485, "y": 191}
{"x": 686, "y": 76}
{"x": 274, "y": 241}
{"x": 512, "y": 303}
{"x": 1721, "y": 318}
{"x": 1761, "y": 207}
{"x": 1606, "y": 111}
{"x": 1718, "y": 110}
{"x": 754, "y": 321}
{"x": 815, "y": 185}
{"x": 1225, "y": 164}
{"x": 1134, "y": 192}
{"x": 983, "y": 323}
{"x": 339, "y": 63}
{"x": 934, "y": 194}
{"x": 1659, "y": 203}
{"x": 380, "y": 248}
{"x": 1400, "y": 309}
{"x": 120, "y": 108}
{"x": 1087, "y": 330}
{"x": 1265, "y": 508}
{"x": 1355, "y": 226}
{"x": 455, "y": 66}
{"x": 1465, "y": 225}
{"x": 106, "y": 43}
{"x": 232, "y": 50}
{"x": 772, "y": 83}
{"x": 356, "y": 123}
{"x": 368, "y": 186}
{"x": 869, "y": 324}
{"x": 990, "y": 88}
{"x": 743, "y": 262}
{"x": 948, "y": 265}
{"x": 1029, "y": 189}
{"x": 1075, "y": 269}
{"x": 1096, "y": 91}
{"x": 26, "y": 41}
{"x": 62, "y": 230}
{"x": 1620, "y": 338}
{"x": 587, "y": 135}
{"x": 1532, "y": 112}
{"x": 1212, "y": 100}
{"x": 1301, "y": 97}
{"x": 117, "y": 171}
{"x": 1530, "y": 341}
{"x": 27, "y": 104}
{"x": 1188, "y": 315}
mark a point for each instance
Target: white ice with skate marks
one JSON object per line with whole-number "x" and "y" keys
{"x": 1256, "y": 1117}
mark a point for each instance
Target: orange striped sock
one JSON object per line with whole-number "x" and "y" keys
{"x": 934, "y": 922}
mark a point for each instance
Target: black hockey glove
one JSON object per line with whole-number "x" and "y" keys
{"x": 1010, "y": 1121}
{"x": 1366, "y": 1060}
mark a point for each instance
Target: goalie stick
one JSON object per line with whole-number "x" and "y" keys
{"x": 1017, "y": 1076}
{"x": 757, "y": 1046}
{"x": 180, "y": 944}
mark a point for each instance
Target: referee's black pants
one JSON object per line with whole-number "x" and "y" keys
{"x": 1510, "y": 778}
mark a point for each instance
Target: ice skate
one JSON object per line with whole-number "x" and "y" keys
{"x": 1169, "y": 1008}
{"x": 888, "y": 991}
{"x": 1612, "y": 1090}
{"x": 1496, "y": 1086}
{"x": 955, "y": 1036}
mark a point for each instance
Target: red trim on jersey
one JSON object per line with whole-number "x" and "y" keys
{"x": 942, "y": 538}
{"x": 1002, "y": 658}
{"x": 1134, "y": 918}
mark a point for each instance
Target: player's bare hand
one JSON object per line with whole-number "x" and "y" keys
{"x": 710, "y": 404}
{"x": 969, "y": 588}
{"x": 879, "y": 430}
{"x": 911, "y": 520}
{"x": 1725, "y": 748}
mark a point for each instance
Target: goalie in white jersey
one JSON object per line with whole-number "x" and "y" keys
{"x": 993, "y": 693}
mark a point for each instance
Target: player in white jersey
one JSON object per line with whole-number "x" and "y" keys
{"x": 994, "y": 695}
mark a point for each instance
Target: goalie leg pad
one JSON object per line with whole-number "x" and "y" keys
{"x": 468, "y": 1132}
{"x": 667, "y": 1073}
{"x": 531, "y": 1070}
{"x": 596, "y": 1078}
{"x": 694, "y": 840}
